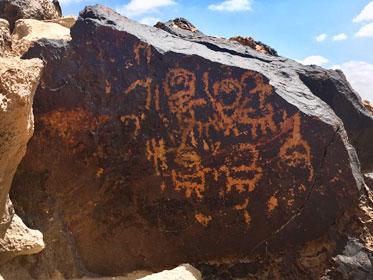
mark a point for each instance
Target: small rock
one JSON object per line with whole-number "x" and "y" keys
{"x": 182, "y": 272}
{"x": 20, "y": 240}
{"x": 368, "y": 105}
{"x": 355, "y": 262}
{"x": 255, "y": 45}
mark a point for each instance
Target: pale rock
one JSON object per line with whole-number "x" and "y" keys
{"x": 28, "y": 31}
{"x": 12, "y": 10}
{"x": 18, "y": 82}
{"x": 20, "y": 240}
{"x": 182, "y": 272}
{"x": 67, "y": 21}
{"x": 5, "y": 39}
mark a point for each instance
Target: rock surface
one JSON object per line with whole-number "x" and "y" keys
{"x": 20, "y": 240}
{"x": 332, "y": 87}
{"x": 18, "y": 82}
{"x": 356, "y": 262}
{"x": 183, "y": 28}
{"x": 203, "y": 149}
{"x": 368, "y": 105}
{"x": 258, "y": 46}
{"x": 5, "y": 39}
{"x": 67, "y": 21}
{"x": 329, "y": 85}
{"x": 28, "y": 31}
{"x": 183, "y": 272}
{"x": 12, "y": 10}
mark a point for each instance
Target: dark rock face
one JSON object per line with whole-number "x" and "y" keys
{"x": 12, "y": 10}
{"x": 329, "y": 85}
{"x": 153, "y": 150}
{"x": 332, "y": 87}
{"x": 183, "y": 28}
{"x": 179, "y": 25}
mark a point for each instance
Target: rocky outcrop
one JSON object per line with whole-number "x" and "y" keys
{"x": 184, "y": 29}
{"x": 356, "y": 262}
{"x": 12, "y": 10}
{"x": 28, "y": 31}
{"x": 18, "y": 82}
{"x": 5, "y": 39}
{"x": 67, "y": 21}
{"x": 255, "y": 45}
{"x": 368, "y": 105}
{"x": 205, "y": 150}
{"x": 179, "y": 25}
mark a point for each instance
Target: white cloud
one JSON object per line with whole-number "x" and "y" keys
{"x": 366, "y": 14}
{"x": 365, "y": 31}
{"x": 360, "y": 75}
{"x": 321, "y": 37}
{"x": 149, "y": 20}
{"x": 231, "y": 6}
{"x": 340, "y": 37}
{"x": 140, "y": 7}
{"x": 314, "y": 60}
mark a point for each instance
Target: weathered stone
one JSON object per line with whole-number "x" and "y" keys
{"x": 356, "y": 262}
{"x": 183, "y": 28}
{"x": 20, "y": 240}
{"x": 67, "y": 22}
{"x": 155, "y": 150}
{"x": 182, "y": 272}
{"x": 5, "y": 39}
{"x": 28, "y": 31}
{"x": 12, "y": 10}
{"x": 179, "y": 25}
{"x": 333, "y": 88}
{"x": 18, "y": 82}
{"x": 368, "y": 105}
{"x": 258, "y": 46}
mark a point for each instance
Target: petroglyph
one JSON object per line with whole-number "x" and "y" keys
{"x": 296, "y": 152}
{"x": 184, "y": 158}
{"x": 243, "y": 207}
{"x": 156, "y": 152}
{"x": 202, "y": 219}
{"x": 142, "y": 50}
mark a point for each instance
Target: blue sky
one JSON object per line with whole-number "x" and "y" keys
{"x": 330, "y": 33}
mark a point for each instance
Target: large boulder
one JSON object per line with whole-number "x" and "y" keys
{"x": 12, "y": 10}
{"x": 329, "y": 85}
{"x": 153, "y": 150}
{"x": 18, "y": 82}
